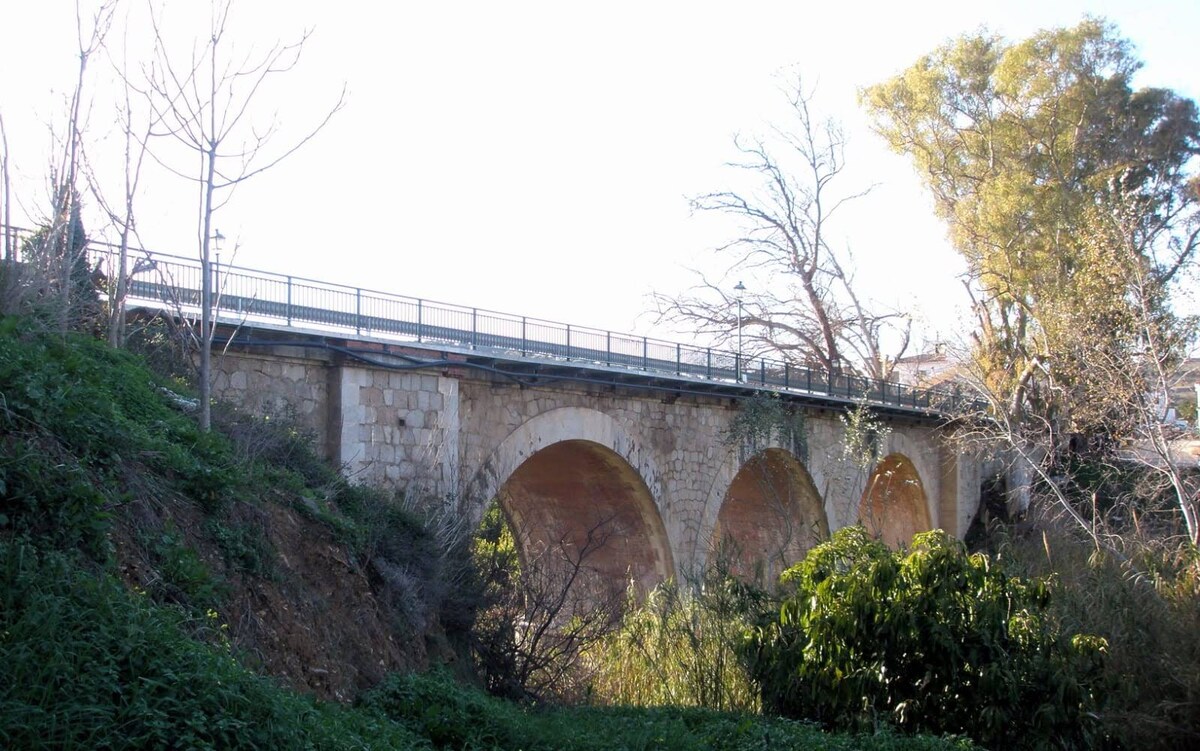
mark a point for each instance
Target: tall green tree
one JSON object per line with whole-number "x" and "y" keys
{"x": 1035, "y": 152}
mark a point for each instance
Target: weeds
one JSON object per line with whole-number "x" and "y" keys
{"x": 1146, "y": 603}
{"x": 680, "y": 647}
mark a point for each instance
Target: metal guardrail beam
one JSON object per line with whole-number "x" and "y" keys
{"x": 173, "y": 282}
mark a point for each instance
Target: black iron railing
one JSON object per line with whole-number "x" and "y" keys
{"x": 250, "y": 296}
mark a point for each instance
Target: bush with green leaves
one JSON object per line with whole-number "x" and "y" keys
{"x": 927, "y": 640}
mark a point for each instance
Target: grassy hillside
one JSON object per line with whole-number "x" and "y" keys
{"x": 165, "y": 588}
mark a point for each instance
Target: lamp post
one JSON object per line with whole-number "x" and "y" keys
{"x": 738, "y": 290}
{"x": 217, "y": 239}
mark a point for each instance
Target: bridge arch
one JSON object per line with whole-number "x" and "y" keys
{"x": 572, "y": 479}
{"x": 895, "y": 504}
{"x": 770, "y": 516}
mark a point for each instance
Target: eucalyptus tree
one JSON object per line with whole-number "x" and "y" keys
{"x": 1025, "y": 146}
{"x": 1074, "y": 199}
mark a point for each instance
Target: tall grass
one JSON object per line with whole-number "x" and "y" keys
{"x": 680, "y": 648}
{"x": 1145, "y": 600}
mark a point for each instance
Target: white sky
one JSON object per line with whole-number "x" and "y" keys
{"x": 537, "y": 158}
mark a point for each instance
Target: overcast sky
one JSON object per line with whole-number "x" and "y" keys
{"x": 537, "y": 158}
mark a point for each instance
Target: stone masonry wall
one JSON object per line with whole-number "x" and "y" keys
{"x": 398, "y": 428}
{"x": 455, "y": 434}
{"x": 276, "y": 385}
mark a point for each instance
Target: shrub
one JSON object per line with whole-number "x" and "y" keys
{"x": 539, "y": 614}
{"x": 931, "y": 640}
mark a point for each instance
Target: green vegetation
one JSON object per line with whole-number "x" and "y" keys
{"x": 89, "y": 659}
{"x": 931, "y": 640}
{"x": 1145, "y": 604}
{"x": 84, "y": 663}
{"x": 453, "y": 717}
{"x": 680, "y": 647}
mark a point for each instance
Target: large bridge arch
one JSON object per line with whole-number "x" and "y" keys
{"x": 770, "y": 517}
{"x": 768, "y": 504}
{"x": 570, "y": 475}
{"x": 895, "y": 504}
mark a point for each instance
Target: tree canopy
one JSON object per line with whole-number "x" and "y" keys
{"x": 1061, "y": 184}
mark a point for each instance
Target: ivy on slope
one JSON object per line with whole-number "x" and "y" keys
{"x": 79, "y": 422}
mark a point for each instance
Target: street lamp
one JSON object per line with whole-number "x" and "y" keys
{"x": 738, "y": 290}
{"x": 217, "y": 239}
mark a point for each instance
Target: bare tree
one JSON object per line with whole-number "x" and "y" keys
{"x": 813, "y": 317}
{"x": 1134, "y": 382}
{"x": 59, "y": 249}
{"x": 8, "y": 270}
{"x": 6, "y": 196}
{"x": 136, "y": 124}
{"x": 541, "y": 613}
{"x": 205, "y": 101}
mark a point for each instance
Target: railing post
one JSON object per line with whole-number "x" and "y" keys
{"x": 608, "y": 348}
{"x": 787, "y": 381}
{"x": 678, "y": 358}
{"x": 568, "y": 341}
{"x": 474, "y": 328}
{"x": 357, "y": 310}
{"x": 708, "y": 363}
{"x": 289, "y": 301}
{"x": 808, "y": 379}
{"x": 420, "y": 320}
{"x": 523, "y": 347}
{"x": 645, "y": 354}
{"x": 762, "y": 372}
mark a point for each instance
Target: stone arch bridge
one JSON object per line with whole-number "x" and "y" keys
{"x": 577, "y": 432}
{"x": 573, "y": 452}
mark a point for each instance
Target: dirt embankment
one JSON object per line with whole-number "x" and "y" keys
{"x": 289, "y": 598}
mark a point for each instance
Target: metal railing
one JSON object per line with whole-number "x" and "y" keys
{"x": 251, "y": 296}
